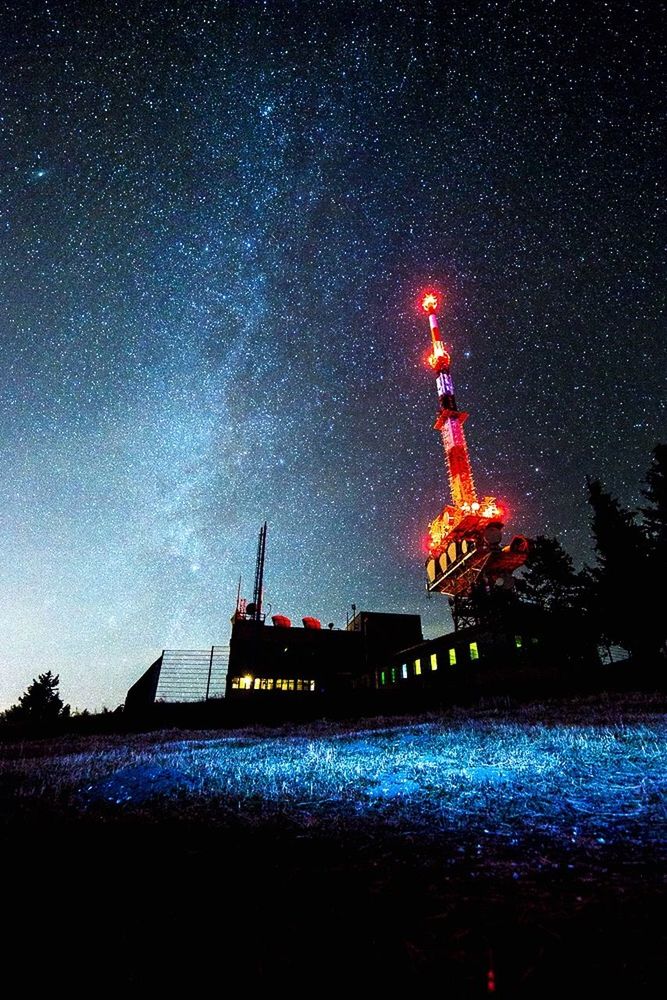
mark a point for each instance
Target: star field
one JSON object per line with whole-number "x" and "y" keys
{"x": 216, "y": 219}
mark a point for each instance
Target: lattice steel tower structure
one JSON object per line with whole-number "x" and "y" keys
{"x": 465, "y": 553}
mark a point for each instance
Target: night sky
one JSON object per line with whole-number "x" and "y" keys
{"x": 216, "y": 219}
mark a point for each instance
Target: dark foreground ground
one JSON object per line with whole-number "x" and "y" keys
{"x": 455, "y": 881}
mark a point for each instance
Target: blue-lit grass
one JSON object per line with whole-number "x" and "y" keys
{"x": 514, "y": 779}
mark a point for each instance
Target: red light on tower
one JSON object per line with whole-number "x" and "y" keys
{"x": 430, "y": 303}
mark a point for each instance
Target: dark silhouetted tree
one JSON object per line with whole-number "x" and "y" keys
{"x": 549, "y": 580}
{"x": 41, "y": 703}
{"x": 621, "y": 588}
{"x": 655, "y": 527}
{"x": 655, "y": 515}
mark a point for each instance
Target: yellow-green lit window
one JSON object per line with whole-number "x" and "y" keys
{"x": 418, "y": 667}
{"x": 383, "y": 678}
{"x": 393, "y": 675}
{"x": 434, "y": 661}
{"x": 474, "y": 652}
{"x": 452, "y": 657}
{"x": 518, "y": 642}
{"x": 404, "y": 671}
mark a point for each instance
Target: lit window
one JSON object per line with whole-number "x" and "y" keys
{"x": 518, "y": 642}
{"x": 291, "y": 684}
{"x": 269, "y": 684}
{"x": 312, "y": 685}
{"x": 235, "y": 682}
{"x": 383, "y": 679}
{"x": 452, "y": 657}
{"x": 434, "y": 661}
{"x": 258, "y": 683}
{"x": 245, "y": 682}
{"x": 393, "y": 675}
{"x": 404, "y": 671}
{"x": 418, "y": 667}
{"x": 279, "y": 684}
{"x": 474, "y": 652}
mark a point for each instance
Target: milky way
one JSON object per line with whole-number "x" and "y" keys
{"x": 216, "y": 218}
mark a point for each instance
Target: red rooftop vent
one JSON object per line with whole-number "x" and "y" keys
{"x": 281, "y": 621}
{"x": 311, "y": 622}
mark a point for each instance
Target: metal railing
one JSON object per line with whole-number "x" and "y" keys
{"x": 192, "y": 674}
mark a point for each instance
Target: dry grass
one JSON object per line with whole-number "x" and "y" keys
{"x": 598, "y": 780}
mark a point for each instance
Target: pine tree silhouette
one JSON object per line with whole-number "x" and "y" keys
{"x": 549, "y": 580}
{"x": 41, "y": 703}
{"x": 623, "y": 590}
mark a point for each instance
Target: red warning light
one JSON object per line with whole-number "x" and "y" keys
{"x": 492, "y": 510}
{"x": 430, "y": 302}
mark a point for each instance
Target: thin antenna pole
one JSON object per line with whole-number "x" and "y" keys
{"x": 259, "y": 573}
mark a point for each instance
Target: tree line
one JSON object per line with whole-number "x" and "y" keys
{"x": 618, "y": 601}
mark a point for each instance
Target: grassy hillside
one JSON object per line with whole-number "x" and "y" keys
{"x": 495, "y": 849}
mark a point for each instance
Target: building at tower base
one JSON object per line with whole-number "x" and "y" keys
{"x": 379, "y": 664}
{"x": 277, "y": 661}
{"x": 525, "y": 653}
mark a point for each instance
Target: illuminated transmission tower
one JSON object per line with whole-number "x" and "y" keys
{"x": 464, "y": 540}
